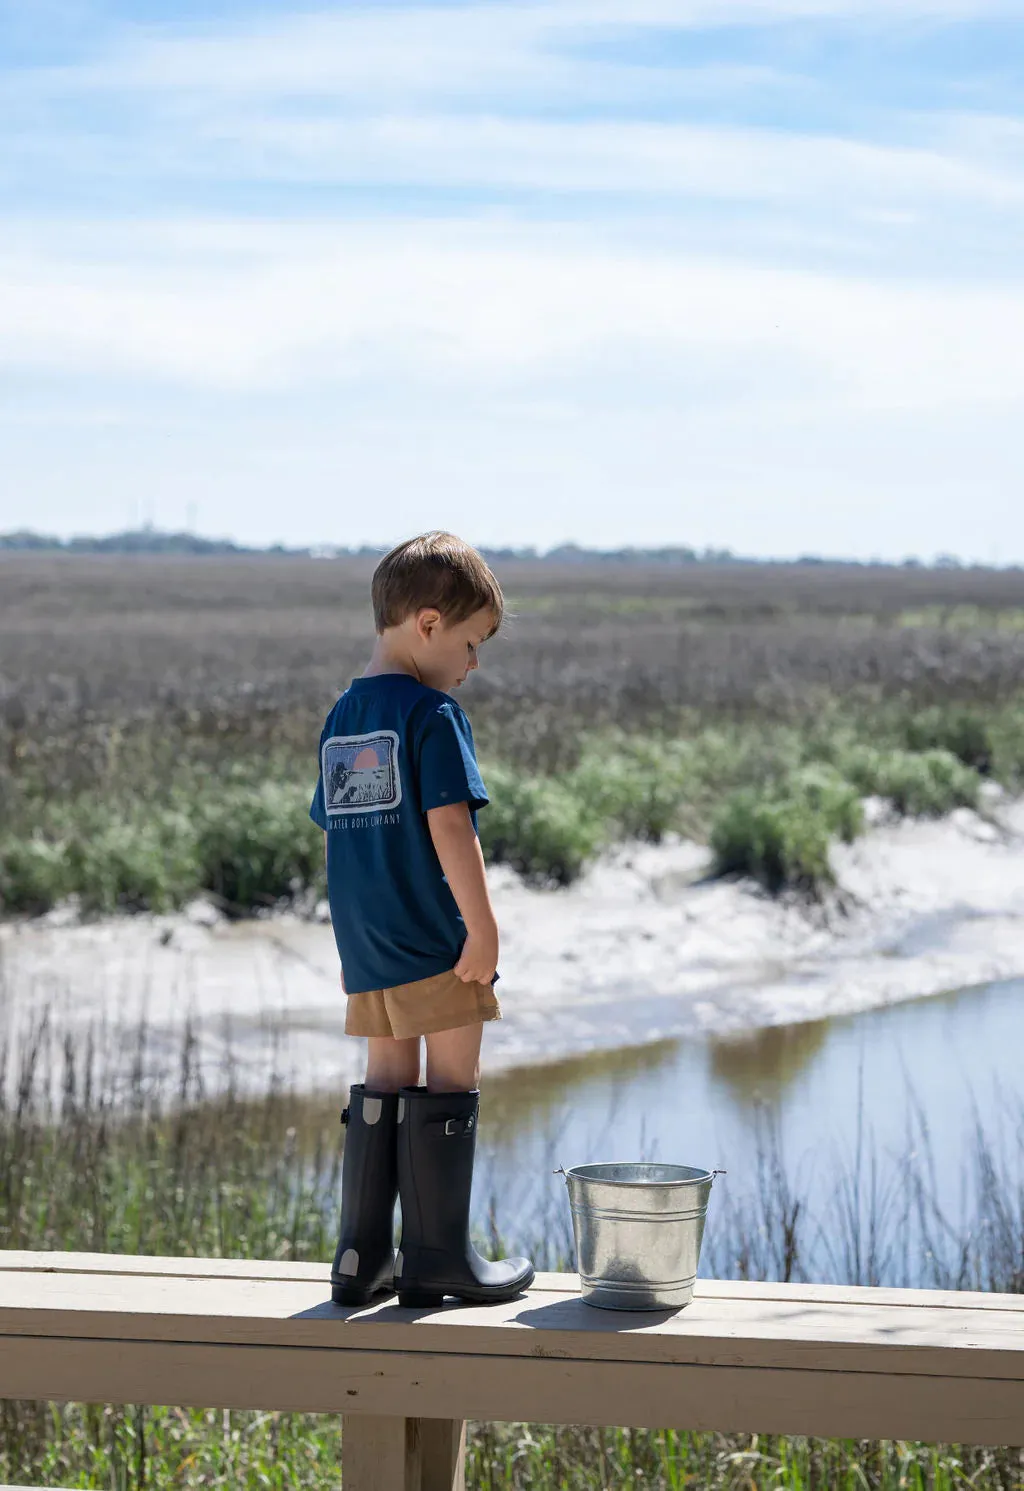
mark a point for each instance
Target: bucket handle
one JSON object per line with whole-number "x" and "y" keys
{"x": 561, "y": 1171}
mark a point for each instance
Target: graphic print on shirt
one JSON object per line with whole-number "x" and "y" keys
{"x": 361, "y": 773}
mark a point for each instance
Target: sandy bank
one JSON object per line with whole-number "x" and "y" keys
{"x": 641, "y": 949}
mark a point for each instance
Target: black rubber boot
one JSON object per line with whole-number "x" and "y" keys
{"x": 436, "y": 1147}
{"x": 365, "y": 1257}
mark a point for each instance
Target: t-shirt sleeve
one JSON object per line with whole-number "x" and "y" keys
{"x": 317, "y": 808}
{"x": 447, "y": 771}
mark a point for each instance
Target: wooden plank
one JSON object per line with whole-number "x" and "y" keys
{"x": 825, "y": 1403}
{"x": 777, "y": 1358}
{"x": 380, "y": 1453}
{"x": 851, "y": 1294}
{"x": 749, "y": 1331}
{"x": 14, "y": 1260}
{"x": 116, "y": 1264}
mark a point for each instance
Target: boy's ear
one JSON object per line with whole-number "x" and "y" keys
{"x": 427, "y": 622}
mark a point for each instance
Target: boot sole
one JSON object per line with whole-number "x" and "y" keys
{"x": 353, "y": 1294}
{"x": 432, "y": 1299}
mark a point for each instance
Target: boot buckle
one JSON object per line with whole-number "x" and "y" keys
{"x": 449, "y": 1128}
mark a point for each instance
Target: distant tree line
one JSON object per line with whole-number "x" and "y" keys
{"x": 153, "y": 541}
{"x": 143, "y": 541}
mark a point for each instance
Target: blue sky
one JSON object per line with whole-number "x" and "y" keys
{"x": 740, "y": 273}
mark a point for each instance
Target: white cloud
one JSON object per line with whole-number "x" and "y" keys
{"x": 678, "y": 159}
{"x": 244, "y": 307}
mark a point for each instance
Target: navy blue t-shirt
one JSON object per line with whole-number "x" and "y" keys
{"x": 391, "y": 750}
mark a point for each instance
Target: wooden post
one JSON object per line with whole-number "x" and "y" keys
{"x": 443, "y": 1447}
{"x": 379, "y": 1454}
{"x": 398, "y": 1454}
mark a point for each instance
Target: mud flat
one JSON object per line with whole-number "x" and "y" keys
{"x": 643, "y": 949}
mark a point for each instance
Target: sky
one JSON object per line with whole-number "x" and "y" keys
{"x": 729, "y": 273}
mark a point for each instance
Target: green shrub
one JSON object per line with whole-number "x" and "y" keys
{"x": 781, "y": 836}
{"x": 964, "y": 733}
{"x": 146, "y": 861}
{"x": 34, "y": 874}
{"x": 256, "y": 842}
{"x": 538, "y": 826}
{"x": 828, "y": 794}
{"x": 739, "y": 756}
{"x": 635, "y": 785}
{"x": 925, "y": 784}
{"x": 1008, "y": 748}
{"x": 249, "y": 845}
{"x": 780, "y": 841}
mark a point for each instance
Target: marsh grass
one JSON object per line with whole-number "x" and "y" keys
{"x": 769, "y": 800}
{"x": 97, "y": 1153}
{"x": 159, "y": 717}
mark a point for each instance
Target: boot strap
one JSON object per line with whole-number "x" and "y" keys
{"x": 345, "y": 1115}
{"x": 458, "y": 1127}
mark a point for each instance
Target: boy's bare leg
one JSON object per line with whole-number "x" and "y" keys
{"x": 453, "y": 1059}
{"x": 392, "y": 1064}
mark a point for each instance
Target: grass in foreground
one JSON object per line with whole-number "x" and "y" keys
{"x": 165, "y": 1448}
{"x": 97, "y": 1155}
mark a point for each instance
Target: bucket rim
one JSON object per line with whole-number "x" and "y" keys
{"x": 699, "y": 1176}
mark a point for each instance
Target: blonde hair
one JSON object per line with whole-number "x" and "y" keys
{"x": 434, "y": 570}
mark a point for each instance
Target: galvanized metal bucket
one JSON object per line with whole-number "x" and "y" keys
{"x": 638, "y": 1229}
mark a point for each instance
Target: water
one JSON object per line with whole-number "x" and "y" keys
{"x": 828, "y": 1085}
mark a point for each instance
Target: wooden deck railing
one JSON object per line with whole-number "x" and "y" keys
{"x": 792, "y": 1359}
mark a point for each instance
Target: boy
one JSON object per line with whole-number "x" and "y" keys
{"x": 397, "y": 799}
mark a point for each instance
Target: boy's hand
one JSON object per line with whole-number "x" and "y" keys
{"x": 479, "y": 958}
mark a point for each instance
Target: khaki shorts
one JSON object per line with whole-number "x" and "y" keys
{"x": 443, "y": 1002}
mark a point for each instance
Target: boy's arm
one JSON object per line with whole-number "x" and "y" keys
{"x": 462, "y": 861}
{"x": 342, "y": 974}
